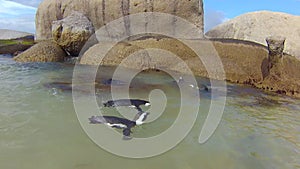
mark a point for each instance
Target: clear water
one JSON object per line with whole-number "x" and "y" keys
{"x": 39, "y": 128}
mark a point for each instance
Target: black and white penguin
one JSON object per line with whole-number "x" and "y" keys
{"x": 201, "y": 88}
{"x": 136, "y": 103}
{"x": 120, "y": 123}
{"x": 140, "y": 117}
{"x": 180, "y": 80}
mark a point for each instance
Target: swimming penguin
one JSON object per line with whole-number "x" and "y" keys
{"x": 180, "y": 80}
{"x": 136, "y": 103}
{"x": 201, "y": 88}
{"x": 113, "y": 82}
{"x": 140, "y": 117}
{"x": 120, "y": 123}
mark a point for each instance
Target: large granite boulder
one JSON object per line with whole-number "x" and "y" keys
{"x": 244, "y": 62}
{"x": 257, "y": 26}
{"x": 72, "y": 32}
{"x": 44, "y": 51}
{"x": 130, "y": 54}
{"x": 105, "y": 11}
{"x": 14, "y": 41}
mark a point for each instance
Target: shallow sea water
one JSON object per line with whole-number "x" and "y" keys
{"x": 39, "y": 128}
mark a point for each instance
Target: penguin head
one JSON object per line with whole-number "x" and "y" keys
{"x": 126, "y": 134}
{"x": 180, "y": 80}
{"x": 105, "y": 104}
{"x": 96, "y": 120}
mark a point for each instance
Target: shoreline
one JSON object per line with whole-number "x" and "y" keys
{"x": 179, "y": 74}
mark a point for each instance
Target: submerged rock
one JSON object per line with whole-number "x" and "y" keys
{"x": 64, "y": 86}
{"x": 72, "y": 32}
{"x": 83, "y": 87}
{"x": 45, "y": 51}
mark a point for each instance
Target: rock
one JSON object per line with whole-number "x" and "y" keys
{"x": 130, "y": 55}
{"x": 244, "y": 62}
{"x": 285, "y": 85}
{"x": 13, "y": 47}
{"x": 283, "y": 76}
{"x": 44, "y": 51}
{"x": 275, "y": 47}
{"x": 72, "y": 32}
{"x": 14, "y": 41}
{"x": 17, "y": 53}
{"x": 117, "y": 54}
{"x": 256, "y": 26}
{"x": 105, "y": 11}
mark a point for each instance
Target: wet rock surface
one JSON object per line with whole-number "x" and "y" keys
{"x": 45, "y": 51}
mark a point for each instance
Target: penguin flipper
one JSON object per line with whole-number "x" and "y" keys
{"x": 139, "y": 108}
{"x": 137, "y": 115}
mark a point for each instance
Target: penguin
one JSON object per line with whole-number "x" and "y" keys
{"x": 120, "y": 123}
{"x": 135, "y": 103}
{"x": 201, "y": 88}
{"x": 180, "y": 80}
{"x": 112, "y": 82}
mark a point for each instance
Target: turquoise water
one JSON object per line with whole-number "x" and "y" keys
{"x": 39, "y": 127}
